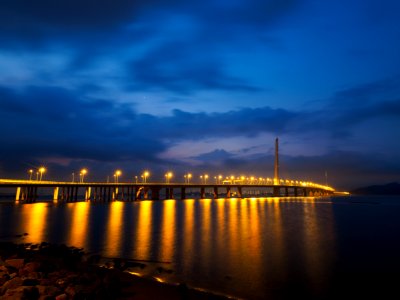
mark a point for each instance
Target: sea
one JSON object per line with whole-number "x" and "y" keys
{"x": 250, "y": 248}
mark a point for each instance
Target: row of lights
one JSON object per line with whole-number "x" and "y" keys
{"x": 187, "y": 178}
{"x": 39, "y": 173}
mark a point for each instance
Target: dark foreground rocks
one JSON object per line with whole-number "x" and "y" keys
{"x": 52, "y": 272}
{"x": 59, "y": 272}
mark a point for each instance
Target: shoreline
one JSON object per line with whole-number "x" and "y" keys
{"x": 49, "y": 271}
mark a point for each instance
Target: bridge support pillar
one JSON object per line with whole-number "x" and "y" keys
{"x": 295, "y": 192}
{"x": 138, "y": 191}
{"x": 18, "y": 194}
{"x": 155, "y": 193}
{"x": 239, "y": 192}
{"x": 183, "y": 193}
{"x": 228, "y": 192}
{"x": 145, "y": 193}
{"x": 277, "y": 191}
{"x": 286, "y": 191}
{"x": 169, "y": 193}
{"x": 88, "y": 193}
{"x": 115, "y": 194}
{"x": 202, "y": 193}
{"x": 215, "y": 192}
{"x": 55, "y": 193}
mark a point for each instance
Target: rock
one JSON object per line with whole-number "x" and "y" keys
{"x": 31, "y": 292}
{"x": 71, "y": 291}
{"x": 30, "y": 282}
{"x": 32, "y": 266}
{"x": 11, "y": 284}
{"x": 46, "y": 281}
{"x": 50, "y": 291}
{"x": 15, "y": 293}
{"x": 62, "y": 297}
{"x": 34, "y": 275}
{"x": 16, "y": 262}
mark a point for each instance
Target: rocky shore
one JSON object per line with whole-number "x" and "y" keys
{"x": 47, "y": 271}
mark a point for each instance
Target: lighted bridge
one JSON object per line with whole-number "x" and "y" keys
{"x": 28, "y": 191}
{"x": 237, "y": 187}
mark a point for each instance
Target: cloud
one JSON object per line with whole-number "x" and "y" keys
{"x": 367, "y": 93}
{"x": 67, "y": 128}
{"x": 217, "y": 155}
{"x": 242, "y": 122}
{"x": 182, "y": 68}
{"x": 53, "y": 122}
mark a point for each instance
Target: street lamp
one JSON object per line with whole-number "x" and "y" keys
{"x": 73, "y": 177}
{"x": 83, "y": 173}
{"x": 168, "y": 177}
{"x": 135, "y": 179}
{"x": 117, "y": 174}
{"x": 145, "y": 175}
{"x": 205, "y": 178}
{"x": 219, "y": 179}
{"x": 41, "y": 171}
{"x": 30, "y": 174}
{"x": 187, "y": 177}
{"x": 201, "y": 179}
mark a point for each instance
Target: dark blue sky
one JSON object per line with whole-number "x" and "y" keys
{"x": 201, "y": 86}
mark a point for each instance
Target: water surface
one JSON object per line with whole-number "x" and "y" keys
{"x": 249, "y": 248}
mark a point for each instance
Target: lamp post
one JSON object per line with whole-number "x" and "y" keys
{"x": 201, "y": 179}
{"x": 41, "y": 171}
{"x": 187, "y": 178}
{"x": 117, "y": 174}
{"x": 73, "y": 177}
{"x": 205, "y": 178}
{"x": 145, "y": 175}
{"x": 83, "y": 173}
{"x": 135, "y": 179}
{"x": 168, "y": 177}
{"x": 30, "y": 174}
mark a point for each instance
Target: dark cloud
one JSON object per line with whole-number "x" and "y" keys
{"x": 43, "y": 21}
{"x": 48, "y": 123}
{"x": 40, "y": 124}
{"x": 218, "y": 155}
{"x": 179, "y": 67}
{"x": 348, "y": 108}
{"x": 243, "y": 122}
{"x": 361, "y": 95}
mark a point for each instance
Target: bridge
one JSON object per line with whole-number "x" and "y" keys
{"x": 28, "y": 190}
{"x": 237, "y": 187}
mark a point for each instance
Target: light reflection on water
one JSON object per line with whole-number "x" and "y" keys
{"x": 244, "y": 247}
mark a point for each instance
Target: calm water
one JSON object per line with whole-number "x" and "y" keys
{"x": 248, "y": 248}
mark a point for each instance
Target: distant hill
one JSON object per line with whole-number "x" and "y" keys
{"x": 386, "y": 189}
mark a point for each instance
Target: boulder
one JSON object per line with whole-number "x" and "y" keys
{"x": 62, "y": 297}
{"x": 11, "y": 284}
{"x": 16, "y": 262}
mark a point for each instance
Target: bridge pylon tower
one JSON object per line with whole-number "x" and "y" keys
{"x": 276, "y": 164}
